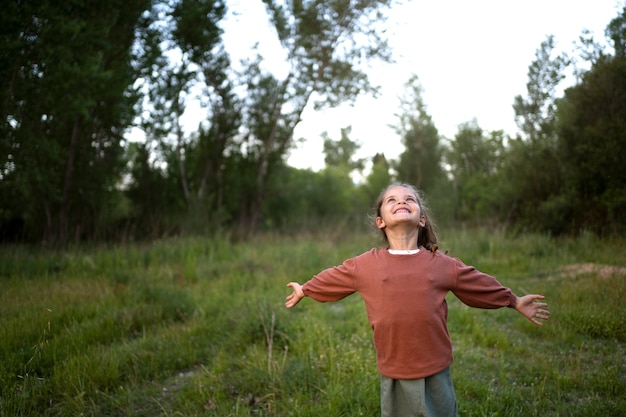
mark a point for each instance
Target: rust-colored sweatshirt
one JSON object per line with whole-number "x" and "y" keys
{"x": 405, "y": 301}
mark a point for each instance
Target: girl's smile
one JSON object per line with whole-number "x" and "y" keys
{"x": 400, "y": 206}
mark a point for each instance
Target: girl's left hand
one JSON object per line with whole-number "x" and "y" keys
{"x": 533, "y": 310}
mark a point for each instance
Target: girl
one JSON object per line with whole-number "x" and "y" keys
{"x": 404, "y": 288}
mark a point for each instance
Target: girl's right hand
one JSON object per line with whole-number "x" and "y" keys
{"x": 295, "y": 297}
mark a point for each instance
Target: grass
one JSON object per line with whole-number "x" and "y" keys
{"x": 197, "y": 327}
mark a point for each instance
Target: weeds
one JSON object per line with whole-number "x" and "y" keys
{"x": 188, "y": 327}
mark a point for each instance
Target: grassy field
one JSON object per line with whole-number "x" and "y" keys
{"x": 197, "y": 327}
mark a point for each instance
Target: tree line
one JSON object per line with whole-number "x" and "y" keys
{"x": 76, "y": 76}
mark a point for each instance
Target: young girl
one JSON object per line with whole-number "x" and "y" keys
{"x": 404, "y": 288}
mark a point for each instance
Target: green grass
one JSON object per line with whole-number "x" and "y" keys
{"x": 197, "y": 327}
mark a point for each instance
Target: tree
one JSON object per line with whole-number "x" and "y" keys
{"x": 616, "y": 32}
{"x": 154, "y": 196}
{"x": 325, "y": 202}
{"x": 474, "y": 160}
{"x": 340, "y": 154}
{"x": 592, "y": 141}
{"x": 67, "y": 99}
{"x": 420, "y": 162}
{"x": 189, "y": 30}
{"x": 324, "y": 44}
{"x": 378, "y": 178}
{"x": 531, "y": 166}
{"x": 535, "y": 114}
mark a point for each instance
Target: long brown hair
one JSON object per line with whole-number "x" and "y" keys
{"x": 427, "y": 235}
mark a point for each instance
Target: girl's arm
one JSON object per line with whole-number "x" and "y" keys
{"x": 533, "y": 311}
{"x": 295, "y": 297}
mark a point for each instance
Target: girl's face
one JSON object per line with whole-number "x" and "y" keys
{"x": 400, "y": 205}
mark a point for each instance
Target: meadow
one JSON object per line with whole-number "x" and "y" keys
{"x": 198, "y": 327}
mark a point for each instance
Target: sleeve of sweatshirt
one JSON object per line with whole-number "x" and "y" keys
{"x": 477, "y": 289}
{"x": 332, "y": 284}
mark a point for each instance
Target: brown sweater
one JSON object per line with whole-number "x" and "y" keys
{"x": 405, "y": 301}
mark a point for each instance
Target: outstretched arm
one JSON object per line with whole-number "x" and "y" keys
{"x": 534, "y": 311}
{"x": 295, "y": 297}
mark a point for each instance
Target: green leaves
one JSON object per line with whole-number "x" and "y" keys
{"x": 420, "y": 162}
{"x": 69, "y": 100}
{"x": 591, "y": 138}
{"x": 535, "y": 114}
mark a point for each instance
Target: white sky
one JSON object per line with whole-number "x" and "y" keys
{"x": 471, "y": 58}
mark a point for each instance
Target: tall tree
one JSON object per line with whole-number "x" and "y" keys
{"x": 198, "y": 34}
{"x": 67, "y": 98}
{"x": 153, "y": 193}
{"x": 341, "y": 153}
{"x": 535, "y": 114}
{"x": 183, "y": 57}
{"x": 616, "y": 32}
{"x": 324, "y": 44}
{"x": 532, "y": 166}
{"x": 592, "y": 141}
{"x": 378, "y": 178}
{"x": 474, "y": 159}
{"x": 189, "y": 30}
{"x": 420, "y": 162}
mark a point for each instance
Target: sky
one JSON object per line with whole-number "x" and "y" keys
{"x": 471, "y": 58}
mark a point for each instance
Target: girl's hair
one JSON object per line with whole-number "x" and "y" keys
{"x": 427, "y": 235}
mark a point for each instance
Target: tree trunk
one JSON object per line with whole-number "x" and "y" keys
{"x": 181, "y": 162}
{"x": 67, "y": 183}
{"x": 261, "y": 179}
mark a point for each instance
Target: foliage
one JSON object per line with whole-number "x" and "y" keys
{"x": 302, "y": 200}
{"x": 561, "y": 175}
{"x": 420, "y": 163}
{"x": 592, "y": 142}
{"x": 76, "y": 77}
{"x": 191, "y": 30}
{"x": 251, "y": 115}
{"x": 378, "y": 178}
{"x": 155, "y": 199}
{"x": 535, "y": 114}
{"x": 475, "y": 161}
{"x": 66, "y": 100}
{"x": 532, "y": 165}
{"x": 325, "y": 44}
{"x": 340, "y": 154}
{"x": 197, "y": 327}
{"x": 616, "y": 32}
